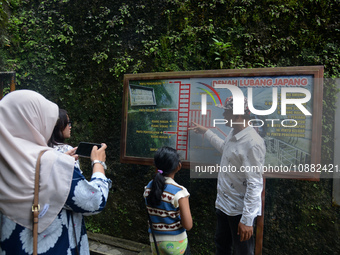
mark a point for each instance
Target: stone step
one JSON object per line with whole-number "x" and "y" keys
{"x": 107, "y": 245}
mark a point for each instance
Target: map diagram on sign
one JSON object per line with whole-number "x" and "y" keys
{"x": 160, "y": 112}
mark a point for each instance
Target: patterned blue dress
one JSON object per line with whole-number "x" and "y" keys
{"x": 68, "y": 229}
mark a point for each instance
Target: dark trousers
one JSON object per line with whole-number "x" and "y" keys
{"x": 187, "y": 250}
{"x": 226, "y": 239}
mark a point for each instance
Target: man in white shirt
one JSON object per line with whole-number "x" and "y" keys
{"x": 238, "y": 200}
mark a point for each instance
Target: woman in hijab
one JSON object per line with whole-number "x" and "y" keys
{"x": 27, "y": 120}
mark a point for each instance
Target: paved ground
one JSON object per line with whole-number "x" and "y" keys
{"x": 108, "y": 245}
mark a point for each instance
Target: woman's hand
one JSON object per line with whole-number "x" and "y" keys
{"x": 98, "y": 154}
{"x": 72, "y": 153}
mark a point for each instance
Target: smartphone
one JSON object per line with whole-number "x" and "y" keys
{"x": 84, "y": 149}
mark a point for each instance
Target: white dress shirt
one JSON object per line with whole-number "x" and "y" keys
{"x": 240, "y": 192}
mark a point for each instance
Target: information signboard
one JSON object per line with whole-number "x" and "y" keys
{"x": 285, "y": 105}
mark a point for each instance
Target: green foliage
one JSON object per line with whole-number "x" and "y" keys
{"x": 92, "y": 225}
{"x": 223, "y": 53}
{"x": 5, "y": 10}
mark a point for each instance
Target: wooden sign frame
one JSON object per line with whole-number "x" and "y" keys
{"x": 8, "y": 78}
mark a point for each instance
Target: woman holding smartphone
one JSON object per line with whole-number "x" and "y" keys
{"x": 27, "y": 120}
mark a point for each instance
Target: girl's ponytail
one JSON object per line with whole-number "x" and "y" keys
{"x": 157, "y": 188}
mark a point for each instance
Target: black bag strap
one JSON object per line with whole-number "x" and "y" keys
{"x": 74, "y": 233}
{"x": 152, "y": 231}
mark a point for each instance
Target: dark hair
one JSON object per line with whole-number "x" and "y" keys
{"x": 57, "y": 135}
{"x": 167, "y": 160}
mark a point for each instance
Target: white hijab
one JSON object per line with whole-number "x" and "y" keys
{"x": 27, "y": 120}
